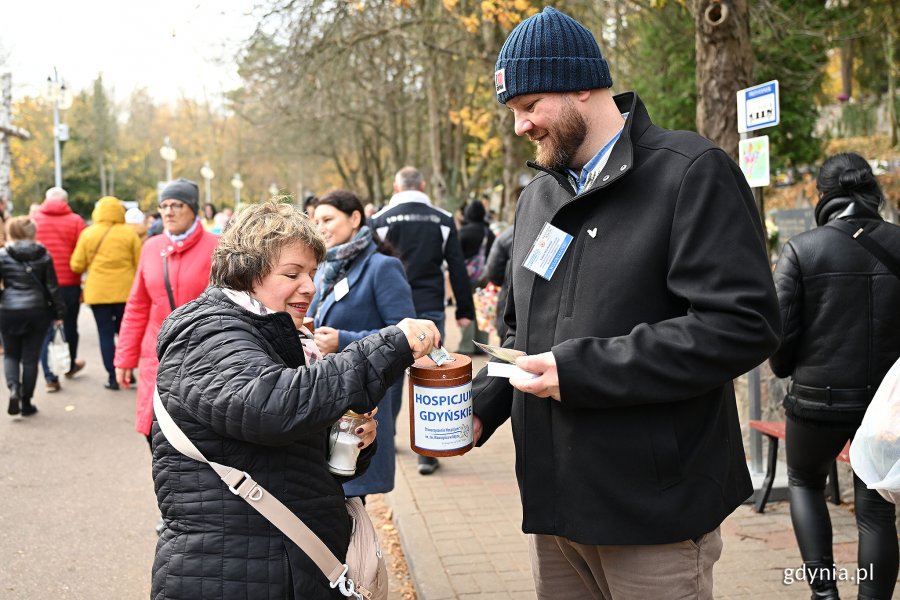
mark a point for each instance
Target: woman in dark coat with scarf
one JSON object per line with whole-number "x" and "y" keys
{"x": 839, "y": 310}
{"x": 238, "y": 379}
{"x": 360, "y": 288}
{"x": 29, "y": 302}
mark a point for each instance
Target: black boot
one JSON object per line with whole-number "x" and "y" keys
{"x": 820, "y": 575}
{"x": 28, "y": 408}
{"x": 14, "y": 399}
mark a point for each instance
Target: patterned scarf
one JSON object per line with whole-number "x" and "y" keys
{"x": 339, "y": 258}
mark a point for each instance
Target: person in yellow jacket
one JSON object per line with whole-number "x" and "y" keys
{"x": 109, "y": 250}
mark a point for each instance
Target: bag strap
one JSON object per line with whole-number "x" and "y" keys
{"x": 859, "y": 233}
{"x": 100, "y": 243}
{"x": 166, "y": 279}
{"x": 241, "y": 484}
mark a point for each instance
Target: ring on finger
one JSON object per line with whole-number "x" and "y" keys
{"x": 421, "y": 337}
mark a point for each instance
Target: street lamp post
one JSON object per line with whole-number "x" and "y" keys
{"x": 61, "y": 99}
{"x": 207, "y": 173}
{"x": 237, "y": 184}
{"x": 168, "y": 154}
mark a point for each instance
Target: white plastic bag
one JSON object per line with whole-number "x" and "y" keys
{"x": 875, "y": 451}
{"x": 58, "y": 358}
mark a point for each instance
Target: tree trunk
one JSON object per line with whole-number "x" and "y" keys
{"x": 847, "y": 69}
{"x": 724, "y": 66}
{"x": 102, "y": 169}
{"x": 5, "y": 119}
{"x": 891, "y": 76}
{"x": 510, "y": 184}
{"x": 438, "y": 185}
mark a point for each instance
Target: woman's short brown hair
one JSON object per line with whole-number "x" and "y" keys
{"x": 252, "y": 243}
{"x": 21, "y": 228}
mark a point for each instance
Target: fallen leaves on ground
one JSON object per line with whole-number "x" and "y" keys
{"x": 401, "y": 585}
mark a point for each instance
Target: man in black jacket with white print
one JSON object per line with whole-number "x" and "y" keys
{"x": 639, "y": 287}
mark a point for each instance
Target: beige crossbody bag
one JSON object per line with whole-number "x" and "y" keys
{"x": 365, "y": 578}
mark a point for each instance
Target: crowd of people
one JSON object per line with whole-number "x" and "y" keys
{"x": 635, "y": 280}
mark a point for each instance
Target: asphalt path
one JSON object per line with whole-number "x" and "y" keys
{"x": 77, "y": 510}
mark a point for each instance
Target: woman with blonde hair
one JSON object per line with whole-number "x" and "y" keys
{"x": 30, "y": 301}
{"x": 244, "y": 386}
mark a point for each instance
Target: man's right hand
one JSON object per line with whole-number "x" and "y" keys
{"x": 463, "y": 322}
{"x": 123, "y": 376}
{"x": 477, "y": 428}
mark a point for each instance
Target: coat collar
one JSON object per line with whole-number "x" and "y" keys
{"x": 184, "y": 245}
{"x": 277, "y": 328}
{"x": 622, "y": 154}
{"x": 353, "y": 275}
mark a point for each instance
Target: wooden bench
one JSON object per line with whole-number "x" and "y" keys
{"x": 774, "y": 430}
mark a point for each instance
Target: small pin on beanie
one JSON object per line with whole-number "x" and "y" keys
{"x": 549, "y": 52}
{"x": 183, "y": 190}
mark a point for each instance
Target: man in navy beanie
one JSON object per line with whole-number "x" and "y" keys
{"x": 639, "y": 288}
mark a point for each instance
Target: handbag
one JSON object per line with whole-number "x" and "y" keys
{"x": 486, "y": 307}
{"x": 475, "y": 264}
{"x": 58, "y": 358}
{"x": 364, "y": 574}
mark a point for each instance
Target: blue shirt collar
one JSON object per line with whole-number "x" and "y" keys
{"x": 584, "y": 179}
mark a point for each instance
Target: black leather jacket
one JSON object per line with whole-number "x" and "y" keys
{"x": 840, "y": 316}
{"x": 21, "y": 290}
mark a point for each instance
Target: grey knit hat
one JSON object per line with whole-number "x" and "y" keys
{"x": 549, "y": 52}
{"x": 185, "y": 191}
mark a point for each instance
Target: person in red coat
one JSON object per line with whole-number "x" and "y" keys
{"x": 173, "y": 270}
{"x": 58, "y": 229}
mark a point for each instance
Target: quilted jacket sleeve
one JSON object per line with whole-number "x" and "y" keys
{"x": 789, "y": 285}
{"x": 223, "y": 375}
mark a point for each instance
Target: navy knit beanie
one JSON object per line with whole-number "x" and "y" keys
{"x": 549, "y": 52}
{"x": 185, "y": 191}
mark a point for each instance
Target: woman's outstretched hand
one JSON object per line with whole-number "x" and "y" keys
{"x": 421, "y": 334}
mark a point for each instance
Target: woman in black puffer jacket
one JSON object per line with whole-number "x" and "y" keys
{"x": 243, "y": 386}
{"x": 839, "y": 309}
{"x": 29, "y": 302}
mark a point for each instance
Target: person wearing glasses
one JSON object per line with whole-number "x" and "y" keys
{"x": 173, "y": 270}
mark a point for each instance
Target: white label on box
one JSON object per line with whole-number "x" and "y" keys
{"x": 442, "y": 417}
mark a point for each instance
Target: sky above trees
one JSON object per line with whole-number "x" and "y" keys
{"x": 173, "y": 48}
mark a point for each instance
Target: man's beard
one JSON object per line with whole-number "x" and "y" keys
{"x": 562, "y": 141}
